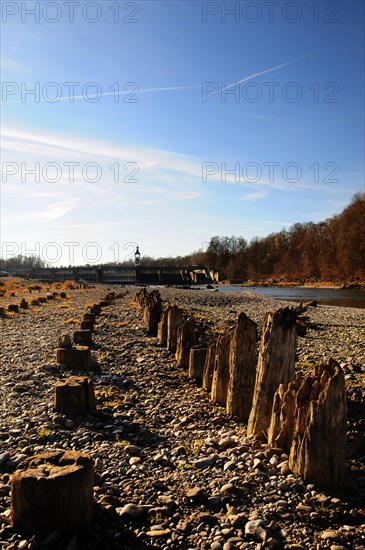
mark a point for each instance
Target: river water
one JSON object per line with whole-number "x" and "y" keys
{"x": 327, "y": 296}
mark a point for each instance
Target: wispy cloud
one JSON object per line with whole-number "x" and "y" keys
{"x": 255, "y": 196}
{"x": 12, "y": 66}
{"x": 59, "y": 209}
{"x": 172, "y": 88}
{"x": 162, "y": 174}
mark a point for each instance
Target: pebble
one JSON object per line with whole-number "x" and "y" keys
{"x": 329, "y": 535}
{"x": 131, "y": 510}
{"x": 205, "y": 462}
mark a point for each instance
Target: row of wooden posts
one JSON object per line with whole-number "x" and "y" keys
{"x": 53, "y": 491}
{"x": 303, "y": 415}
{"x": 24, "y": 304}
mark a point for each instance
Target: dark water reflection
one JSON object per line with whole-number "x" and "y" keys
{"x": 327, "y": 296}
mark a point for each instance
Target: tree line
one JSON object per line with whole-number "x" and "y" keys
{"x": 330, "y": 250}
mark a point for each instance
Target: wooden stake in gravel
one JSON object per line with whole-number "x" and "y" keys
{"x": 74, "y": 396}
{"x": 89, "y": 317}
{"x": 209, "y": 365}
{"x": 174, "y": 321}
{"x": 78, "y": 358}
{"x": 319, "y": 439}
{"x": 242, "y": 368}
{"x": 196, "y": 362}
{"x": 53, "y": 492}
{"x": 221, "y": 370}
{"x": 186, "y": 339}
{"x": 275, "y": 366}
{"x": 95, "y": 309}
{"x": 162, "y": 328}
{"x": 282, "y": 423}
{"x": 83, "y": 337}
{"x": 87, "y": 325}
{"x": 151, "y": 311}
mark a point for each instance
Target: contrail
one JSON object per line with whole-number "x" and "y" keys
{"x": 263, "y": 72}
{"x": 171, "y": 88}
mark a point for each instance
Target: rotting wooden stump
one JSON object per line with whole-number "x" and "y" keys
{"x": 209, "y": 365}
{"x": 87, "y": 325}
{"x": 53, "y": 492}
{"x": 281, "y": 430}
{"x": 174, "y": 321}
{"x": 95, "y": 309}
{"x": 162, "y": 327}
{"x": 197, "y": 359}
{"x": 89, "y": 317}
{"x": 83, "y": 337}
{"x": 242, "y": 368}
{"x": 64, "y": 341}
{"x": 78, "y": 357}
{"x": 14, "y": 308}
{"x": 152, "y": 309}
{"x": 74, "y": 396}
{"x": 141, "y": 297}
{"x": 319, "y": 439}
{"x": 275, "y": 366}
{"x": 186, "y": 339}
{"x": 220, "y": 376}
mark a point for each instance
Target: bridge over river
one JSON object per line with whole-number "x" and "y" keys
{"x": 141, "y": 275}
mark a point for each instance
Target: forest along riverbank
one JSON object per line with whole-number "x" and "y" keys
{"x": 172, "y": 470}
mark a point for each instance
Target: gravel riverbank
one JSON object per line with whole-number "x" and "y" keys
{"x": 172, "y": 469}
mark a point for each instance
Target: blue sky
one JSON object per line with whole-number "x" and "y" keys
{"x": 176, "y": 157}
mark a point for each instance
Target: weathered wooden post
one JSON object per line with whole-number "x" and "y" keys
{"x": 318, "y": 449}
{"x": 242, "y": 368}
{"x": 197, "y": 359}
{"x": 83, "y": 337}
{"x": 221, "y": 370}
{"x": 89, "y": 317}
{"x": 275, "y": 366}
{"x": 152, "y": 311}
{"x": 74, "y": 396}
{"x": 281, "y": 429}
{"x": 186, "y": 339}
{"x": 174, "y": 321}
{"x": 209, "y": 365}
{"x": 162, "y": 328}
{"x": 141, "y": 297}
{"x": 53, "y": 492}
{"x": 87, "y": 325}
{"x": 95, "y": 309}
{"x": 78, "y": 357}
